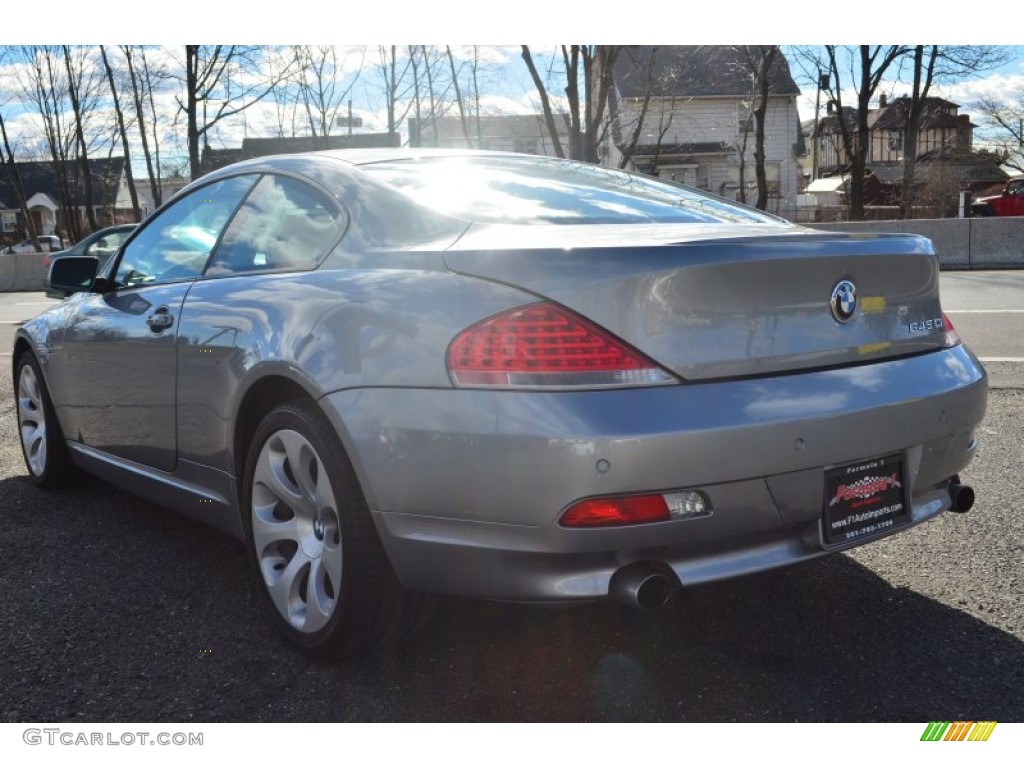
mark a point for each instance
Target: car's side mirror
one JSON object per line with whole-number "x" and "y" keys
{"x": 72, "y": 274}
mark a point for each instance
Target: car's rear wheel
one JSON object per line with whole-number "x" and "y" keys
{"x": 42, "y": 443}
{"x": 314, "y": 545}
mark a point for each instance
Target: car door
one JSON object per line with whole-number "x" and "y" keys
{"x": 119, "y": 357}
{"x": 1015, "y": 198}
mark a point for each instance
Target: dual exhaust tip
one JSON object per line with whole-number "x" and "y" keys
{"x": 648, "y": 588}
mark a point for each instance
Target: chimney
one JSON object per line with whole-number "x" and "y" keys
{"x": 882, "y": 101}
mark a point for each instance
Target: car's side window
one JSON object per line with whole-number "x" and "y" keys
{"x": 106, "y": 245}
{"x": 177, "y": 243}
{"x": 284, "y": 224}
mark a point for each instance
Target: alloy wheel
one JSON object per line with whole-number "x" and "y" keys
{"x": 295, "y": 531}
{"x": 32, "y": 420}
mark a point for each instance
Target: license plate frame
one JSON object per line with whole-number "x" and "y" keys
{"x": 864, "y": 499}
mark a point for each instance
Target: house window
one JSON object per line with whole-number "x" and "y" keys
{"x": 746, "y": 125}
{"x": 896, "y": 140}
{"x": 686, "y": 174}
{"x": 526, "y": 145}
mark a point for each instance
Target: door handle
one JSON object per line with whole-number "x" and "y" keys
{"x": 160, "y": 320}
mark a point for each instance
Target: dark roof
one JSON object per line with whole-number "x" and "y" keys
{"x": 830, "y": 122}
{"x": 261, "y": 147}
{"x": 696, "y": 70}
{"x": 967, "y": 166}
{"x": 690, "y": 148}
{"x": 938, "y": 113}
{"x": 891, "y": 173}
{"x": 40, "y": 177}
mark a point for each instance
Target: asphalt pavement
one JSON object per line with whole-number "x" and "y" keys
{"x": 115, "y": 610}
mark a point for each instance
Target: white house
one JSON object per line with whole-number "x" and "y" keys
{"x": 699, "y": 125}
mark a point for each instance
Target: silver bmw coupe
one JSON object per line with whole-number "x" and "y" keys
{"x": 395, "y": 373}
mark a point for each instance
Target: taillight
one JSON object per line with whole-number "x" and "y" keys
{"x": 545, "y": 345}
{"x": 952, "y": 337}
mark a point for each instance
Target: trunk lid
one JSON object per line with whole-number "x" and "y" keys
{"x": 723, "y": 301}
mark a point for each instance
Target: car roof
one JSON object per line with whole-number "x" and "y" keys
{"x": 391, "y": 154}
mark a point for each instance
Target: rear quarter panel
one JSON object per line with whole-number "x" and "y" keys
{"x": 327, "y": 330}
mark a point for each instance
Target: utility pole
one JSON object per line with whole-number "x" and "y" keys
{"x": 823, "y": 83}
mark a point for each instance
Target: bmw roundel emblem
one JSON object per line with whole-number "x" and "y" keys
{"x": 844, "y": 300}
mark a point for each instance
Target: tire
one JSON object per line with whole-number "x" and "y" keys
{"x": 42, "y": 442}
{"x": 315, "y": 550}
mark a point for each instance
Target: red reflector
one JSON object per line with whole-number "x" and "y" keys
{"x": 623, "y": 510}
{"x": 546, "y": 345}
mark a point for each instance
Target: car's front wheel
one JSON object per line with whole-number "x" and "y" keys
{"x": 314, "y": 546}
{"x": 42, "y": 443}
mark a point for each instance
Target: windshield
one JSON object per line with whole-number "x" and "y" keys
{"x": 532, "y": 190}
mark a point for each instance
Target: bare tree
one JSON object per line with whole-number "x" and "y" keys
{"x": 394, "y": 85}
{"x": 11, "y": 170}
{"x": 1003, "y": 116}
{"x": 119, "y": 114}
{"x": 930, "y": 64}
{"x": 545, "y": 102}
{"x": 586, "y": 120}
{"x": 475, "y": 72}
{"x": 758, "y": 62}
{"x": 861, "y": 68}
{"x": 458, "y": 95}
{"x": 214, "y": 92}
{"x": 45, "y": 89}
{"x": 629, "y": 126}
{"x": 143, "y": 79}
{"x": 323, "y": 90}
{"x": 76, "y": 78}
{"x": 434, "y": 102}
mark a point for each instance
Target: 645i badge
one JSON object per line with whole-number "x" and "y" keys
{"x": 864, "y": 498}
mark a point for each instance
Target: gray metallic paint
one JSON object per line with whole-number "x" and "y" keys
{"x": 723, "y": 306}
{"x": 467, "y": 485}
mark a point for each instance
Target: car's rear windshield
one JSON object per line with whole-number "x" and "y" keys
{"x": 531, "y": 190}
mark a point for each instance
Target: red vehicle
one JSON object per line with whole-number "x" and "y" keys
{"x": 1009, "y": 203}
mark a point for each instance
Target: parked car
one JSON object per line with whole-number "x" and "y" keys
{"x": 398, "y": 372}
{"x": 1009, "y": 202}
{"x": 103, "y": 243}
{"x": 46, "y": 243}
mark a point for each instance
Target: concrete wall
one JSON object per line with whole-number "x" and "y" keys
{"x": 21, "y": 272}
{"x": 995, "y": 242}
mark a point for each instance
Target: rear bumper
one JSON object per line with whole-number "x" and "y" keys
{"x": 466, "y": 486}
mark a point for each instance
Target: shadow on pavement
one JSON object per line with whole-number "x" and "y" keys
{"x": 113, "y": 610}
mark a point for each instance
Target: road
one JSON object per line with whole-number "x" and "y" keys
{"x": 115, "y": 610}
{"x": 987, "y": 309}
